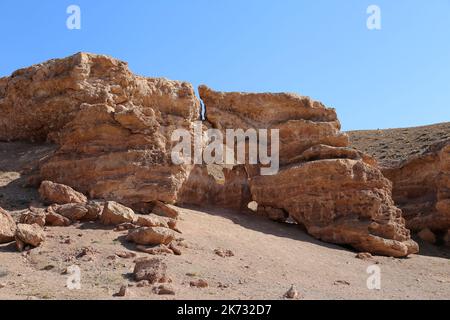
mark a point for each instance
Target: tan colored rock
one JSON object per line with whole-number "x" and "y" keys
{"x": 341, "y": 201}
{"x": 152, "y": 220}
{"x": 417, "y": 161}
{"x": 54, "y": 193}
{"x": 72, "y": 211}
{"x": 55, "y": 219}
{"x": 94, "y": 211}
{"x": 200, "y": 283}
{"x": 151, "y": 236}
{"x": 151, "y": 270}
{"x": 114, "y": 214}
{"x": 337, "y": 193}
{"x": 31, "y": 217}
{"x": 427, "y": 235}
{"x": 292, "y": 293}
{"x": 29, "y": 234}
{"x": 155, "y": 250}
{"x": 164, "y": 210}
{"x": 7, "y": 227}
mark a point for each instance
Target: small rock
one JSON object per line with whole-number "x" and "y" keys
{"x": 341, "y": 282}
{"x": 31, "y": 217}
{"x": 72, "y": 211}
{"x": 29, "y": 234}
{"x": 164, "y": 290}
{"x": 224, "y": 253}
{"x": 155, "y": 250}
{"x": 200, "y": 283}
{"x": 364, "y": 256}
{"x": 143, "y": 283}
{"x": 176, "y": 250}
{"x": 292, "y": 293}
{"x": 152, "y": 270}
{"x": 126, "y": 254}
{"x": 151, "y": 236}
{"x": 55, "y": 219}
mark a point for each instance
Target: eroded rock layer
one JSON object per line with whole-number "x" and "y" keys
{"x": 417, "y": 161}
{"x": 336, "y": 192}
{"x": 113, "y": 128}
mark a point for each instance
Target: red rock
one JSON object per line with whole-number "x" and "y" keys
{"x": 52, "y": 193}
{"x": 7, "y": 227}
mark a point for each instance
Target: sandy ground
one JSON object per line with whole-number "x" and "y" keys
{"x": 268, "y": 257}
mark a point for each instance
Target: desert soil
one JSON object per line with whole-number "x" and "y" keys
{"x": 268, "y": 257}
{"x": 392, "y": 146}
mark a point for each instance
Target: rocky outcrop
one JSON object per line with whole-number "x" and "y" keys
{"x": 417, "y": 161}
{"x": 113, "y": 128}
{"x": 336, "y": 192}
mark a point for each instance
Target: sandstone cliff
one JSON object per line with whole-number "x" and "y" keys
{"x": 113, "y": 128}
{"x": 336, "y": 192}
{"x": 113, "y": 132}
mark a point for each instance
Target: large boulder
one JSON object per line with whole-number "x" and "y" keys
{"x": 336, "y": 192}
{"x": 114, "y": 214}
{"x": 7, "y": 227}
{"x": 55, "y": 193}
{"x": 29, "y": 234}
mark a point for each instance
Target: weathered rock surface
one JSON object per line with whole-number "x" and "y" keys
{"x": 55, "y": 193}
{"x": 417, "y": 161}
{"x": 29, "y": 234}
{"x": 114, "y": 214}
{"x": 7, "y": 227}
{"x": 336, "y": 192}
{"x": 113, "y": 128}
{"x": 31, "y": 217}
{"x": 151, "y": 236}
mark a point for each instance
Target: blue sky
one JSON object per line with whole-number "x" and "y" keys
{"x": 396, "y": 77}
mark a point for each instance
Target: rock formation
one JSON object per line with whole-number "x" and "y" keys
{"x": 417, "y": 161}
{"x": 335, "y": 192}
{"x": 113, "y": 128}
{"x": 113, "y": 133}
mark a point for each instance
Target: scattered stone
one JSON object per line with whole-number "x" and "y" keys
{"x": 224, "y": 253}
{"x": 122, "y": 291}
{"x": 72, "y": 211}
{"x": 427, "y": 235}
{"x": 200, "y": 283}
{"x": 55, "y": 219}
{"x": 126, "y": 254}
{"x": 153, "y": 270}
{"x": 164, "y": 290}
{"x": 151, "y": 236}
{"x": 31, "y": 217}
{"x": 114, "y": 214}
{"x": 223, "y": 286}
{"x": 292, "y": 293}
{"x": 126, "y": 226}
{"x": 341, "y": 282}
{"x": 152, "y": 220}
{"x": 7, "y": 227}
{"x": 164, "y": 210}
{"x": 155, "y": 250}
{"x": 94, "y": 211}
{"x": 176, "y": 250}
{"x": 143, "y": 283}
{"x": 364, "y": 256}
{"x": 29, "y": 234}
{"x": 52, "y": 193}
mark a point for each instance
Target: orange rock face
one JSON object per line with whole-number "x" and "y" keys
{"x": 422, "y": 188}
{"x": 113, "y": 128}
{"x": 337, "y": 193}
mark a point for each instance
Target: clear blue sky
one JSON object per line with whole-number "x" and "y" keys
{"x": 396, "y": 77}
